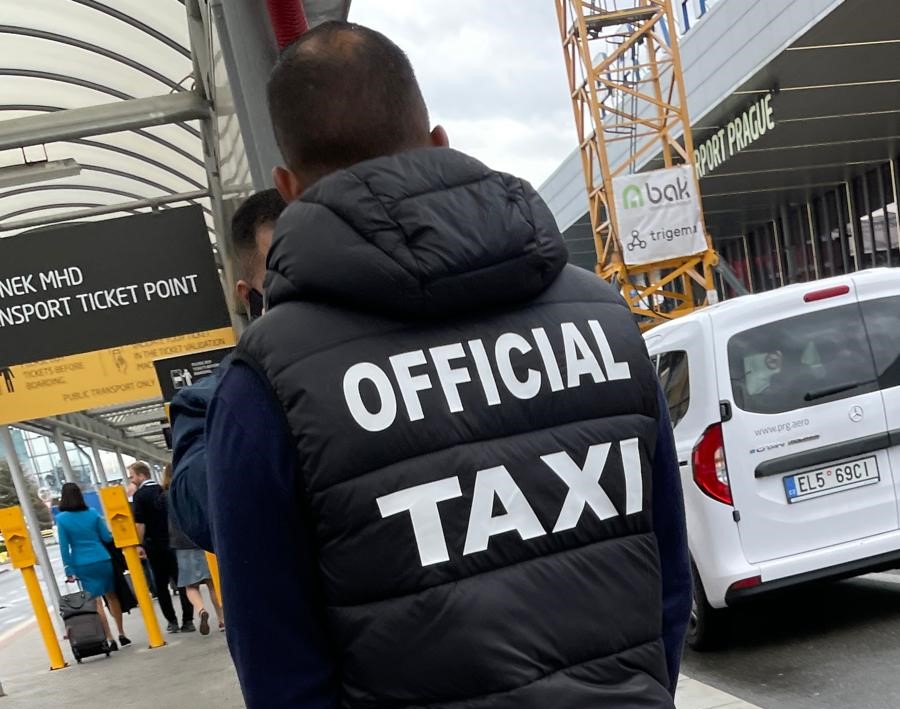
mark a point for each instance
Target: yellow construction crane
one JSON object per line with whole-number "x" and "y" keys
{"x": 628, "y": 95}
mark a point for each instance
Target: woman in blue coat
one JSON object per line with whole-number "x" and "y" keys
{"x": 82, "y": 536}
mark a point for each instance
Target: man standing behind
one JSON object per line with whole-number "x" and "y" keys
{"x": 251, "y": 236}
{"x": 448, "y": 445}
{"x": 152, "y": 521}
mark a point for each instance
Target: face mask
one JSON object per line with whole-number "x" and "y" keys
{"x": 257, "y": 304}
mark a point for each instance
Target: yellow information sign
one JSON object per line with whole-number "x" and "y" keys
{"x": 95, "y": 379}
{"x": 18, "y": 543}
{"x": 118, "y": 514}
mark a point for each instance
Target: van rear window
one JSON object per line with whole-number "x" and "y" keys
{"x": 882, "y": 318}
{"x": 801, "y": 361}
{"x": 675, "y": 379}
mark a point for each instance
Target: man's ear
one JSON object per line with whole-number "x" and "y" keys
{"x": 242, "y": 289}
{"x": 439, "y": 137}
{"x": 287, "y": 184}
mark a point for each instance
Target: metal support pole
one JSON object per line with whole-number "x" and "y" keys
{"x": 64, "y": 456}
{"x": 102, "y": 119}
{"x": 37, "y": 540}
{"x": 98, "y": 464}
{"x": 122, "y": 469}
{"x": 204, "y": 82}
{"x": 813, "y": 240}
{"x": 107, "y": 209}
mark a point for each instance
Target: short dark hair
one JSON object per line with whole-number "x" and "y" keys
{"x": 71, "y": 499}
{"x": 341, "y": 94}
{"x": 257, "y": 210}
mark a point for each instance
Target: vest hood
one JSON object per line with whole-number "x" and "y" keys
{"x": 427, "y": 232}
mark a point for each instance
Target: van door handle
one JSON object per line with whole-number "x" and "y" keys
{"x": 683, "y": 463}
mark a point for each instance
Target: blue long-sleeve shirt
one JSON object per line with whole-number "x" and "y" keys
{"x": 279, "y": 645}
{"x": 188, "y": 492}
{"x": 671, "y": 535}
{"x": 276, "y": 624}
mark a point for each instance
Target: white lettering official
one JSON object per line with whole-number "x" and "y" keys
{"x": 586, "y": 357}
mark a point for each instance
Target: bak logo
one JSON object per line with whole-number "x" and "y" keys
{"x": 584, "y": 491}
{"x": 632, "y": 197}
{"x": 673, "y": 192}
{"x": 676, "y": 191}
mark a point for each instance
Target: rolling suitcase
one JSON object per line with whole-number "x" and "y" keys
{"x": 83, "y": 627}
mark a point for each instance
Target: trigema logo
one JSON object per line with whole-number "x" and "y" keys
{"x": 677, "y": 191}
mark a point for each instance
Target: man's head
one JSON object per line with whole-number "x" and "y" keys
{"x": 339, "y": 95}
{"x": 138, "y": 472}
{"x": 252, "y": 227}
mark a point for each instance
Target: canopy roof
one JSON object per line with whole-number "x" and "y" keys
{"x": 125, "y": 106}
{"x": 65, "y": 54}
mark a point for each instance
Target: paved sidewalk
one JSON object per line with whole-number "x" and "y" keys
{"x": 692, "y": 694}
{"x": 191, "y": 671}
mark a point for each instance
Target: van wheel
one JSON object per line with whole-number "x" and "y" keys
{"x": 708, "y": 626}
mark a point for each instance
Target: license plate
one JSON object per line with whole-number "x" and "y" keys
{"x": 834, "y": 478}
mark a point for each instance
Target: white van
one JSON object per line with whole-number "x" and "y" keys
{"x": 786, "y": 410}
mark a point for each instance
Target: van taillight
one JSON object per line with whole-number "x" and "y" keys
{"x": 710, "y": 470}
{"x": 824, "y": 293}
{"x": 744, "y": 584}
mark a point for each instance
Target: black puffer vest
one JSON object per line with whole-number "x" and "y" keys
{"x": 475, "y": 423}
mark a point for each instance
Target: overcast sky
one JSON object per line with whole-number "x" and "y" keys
{"x": 492, "y": 73}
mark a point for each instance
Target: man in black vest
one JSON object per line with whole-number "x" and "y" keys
{"x": 443, "y": 446}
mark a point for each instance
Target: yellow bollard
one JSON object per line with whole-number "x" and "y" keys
{"x": 18, "y": 544}
{"x": 121, "y": 524}
{"x": 213, "y": 564}
{"x": 142, "y": 593}
{"x": 43, "y": 618}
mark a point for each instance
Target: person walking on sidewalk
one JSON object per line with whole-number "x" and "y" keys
{"x": 445, "y": 443}
{"x": 152, "y": 520}
{"x": 83, "y": 536}
{"x": 193, "y": 569}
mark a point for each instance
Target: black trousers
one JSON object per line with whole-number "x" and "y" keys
{"x": 164, "y": 567}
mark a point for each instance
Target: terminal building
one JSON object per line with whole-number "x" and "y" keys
{"x": 795, "y": 108}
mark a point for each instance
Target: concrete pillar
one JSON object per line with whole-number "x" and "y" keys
{"x": 64, "y": 456}
{"x": 98, "y": 464}
{"x": 34, "y": 526}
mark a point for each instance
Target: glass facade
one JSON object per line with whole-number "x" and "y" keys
{"x": 849, "y": 227}
{"x": 40, "y": 460}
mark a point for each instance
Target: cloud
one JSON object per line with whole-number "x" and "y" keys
{"x": 492, "y": 73}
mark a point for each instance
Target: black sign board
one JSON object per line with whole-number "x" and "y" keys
{"x": 93, "y": 286}
{"x": 176, "y": 373}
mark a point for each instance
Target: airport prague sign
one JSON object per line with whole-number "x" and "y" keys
{"x": 86, "y": 308}
{"x": 658, "y": 215}
{"x": 738, "y": 134}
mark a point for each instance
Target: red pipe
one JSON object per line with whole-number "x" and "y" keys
{"x": 288, "y": 20}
